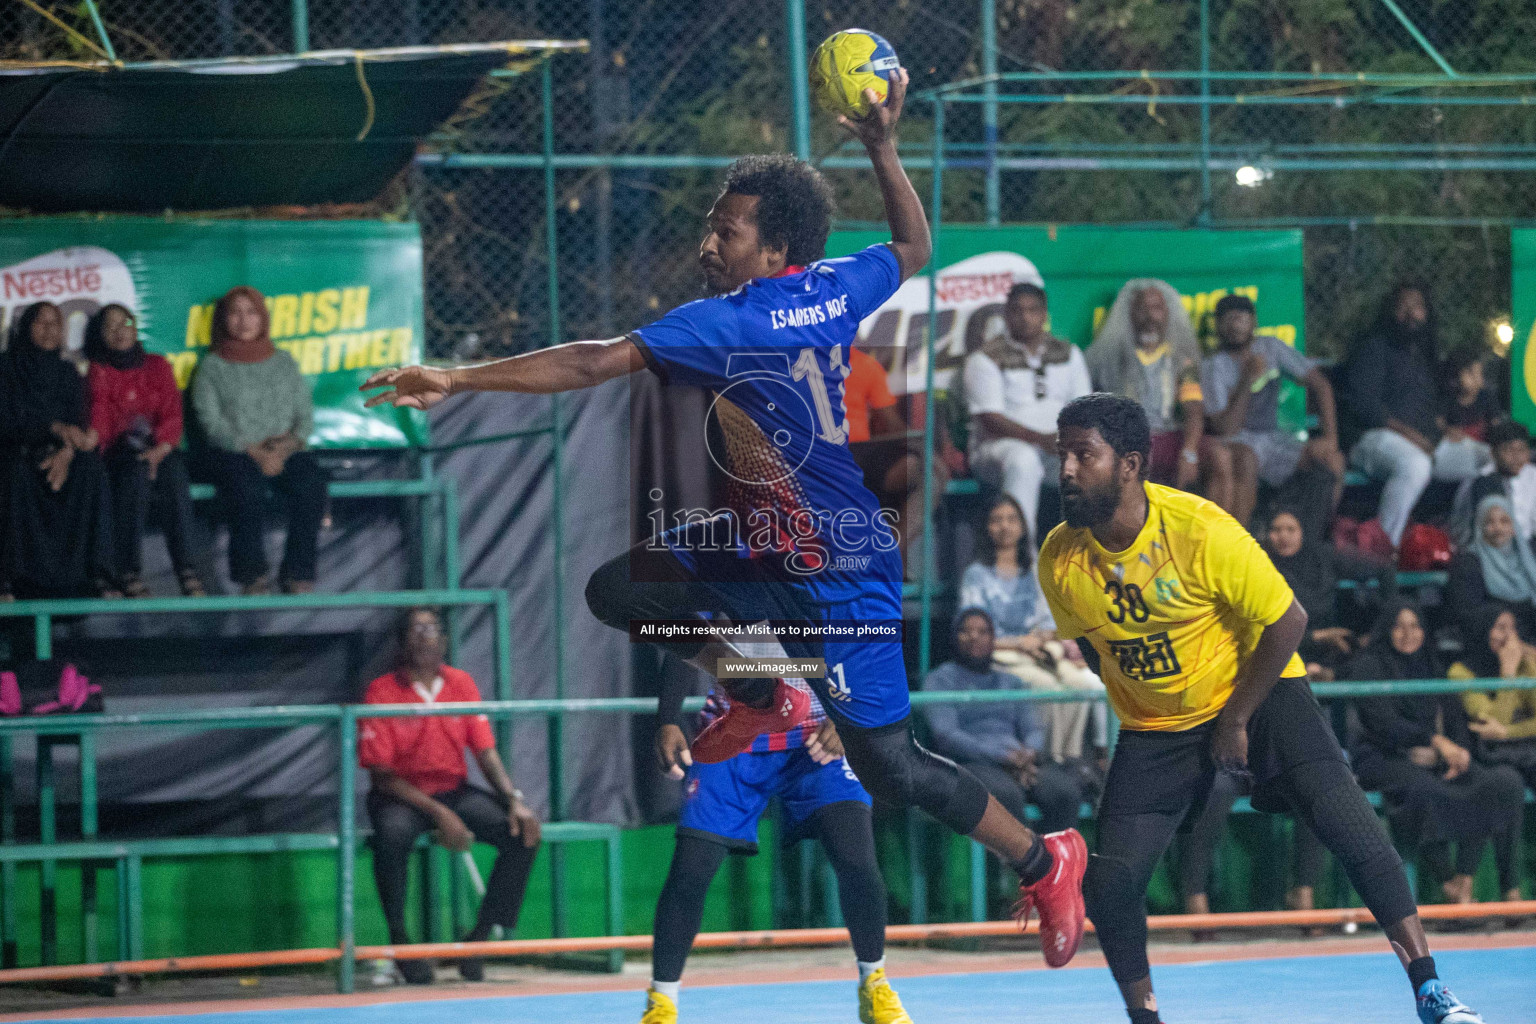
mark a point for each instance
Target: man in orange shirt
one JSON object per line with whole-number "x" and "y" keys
{"x": 893, "y": 466}
{"x": 420, "y": 784}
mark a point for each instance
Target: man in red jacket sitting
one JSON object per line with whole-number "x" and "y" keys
{"x": 420, "y": 784}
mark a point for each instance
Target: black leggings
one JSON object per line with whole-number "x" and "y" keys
{"x": 1322, "y": 794}
{"x": 846, "y": 833}
{"x": 645, "y": 583}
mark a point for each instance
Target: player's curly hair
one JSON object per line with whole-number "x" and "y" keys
{"x": 794, "y": 206}
{"x": 1121, "y": 422}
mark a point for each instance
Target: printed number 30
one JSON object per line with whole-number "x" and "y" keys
{"x": 1127, "y": 601}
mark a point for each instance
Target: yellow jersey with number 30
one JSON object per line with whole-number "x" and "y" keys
{"x": 1172, "y": 616}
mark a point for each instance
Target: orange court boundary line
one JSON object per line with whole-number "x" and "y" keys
{"x": 729, "y": 940}
{"x": 706, "y": 977}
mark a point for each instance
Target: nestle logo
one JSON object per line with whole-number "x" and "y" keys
{"x": 52, "y": 282}
{"x": 974, "y": 287}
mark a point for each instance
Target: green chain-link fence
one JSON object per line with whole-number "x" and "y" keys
{"x": 670, "y": 84}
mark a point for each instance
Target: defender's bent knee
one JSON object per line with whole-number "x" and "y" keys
{"x": 896, "y": 769}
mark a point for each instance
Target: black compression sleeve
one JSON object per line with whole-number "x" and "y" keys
{"x": 681, "y": 906}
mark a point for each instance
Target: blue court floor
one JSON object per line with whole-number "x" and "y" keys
{"x": 1348, "y": 989}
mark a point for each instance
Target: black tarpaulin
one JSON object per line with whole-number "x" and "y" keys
{"x": 331, "y": 127}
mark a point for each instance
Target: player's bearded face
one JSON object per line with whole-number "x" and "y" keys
{"x": 732, "y": 252}
{"x": 1090, "y": 478}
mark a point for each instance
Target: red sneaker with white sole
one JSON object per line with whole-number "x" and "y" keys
{"x": 1058, "y": 897}
{"x": 734, "y": 731}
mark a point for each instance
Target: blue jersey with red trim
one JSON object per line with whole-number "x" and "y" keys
{"x": 776, "y": 352}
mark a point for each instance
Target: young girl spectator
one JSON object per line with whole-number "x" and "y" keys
{"x": 1467, "y": 410}
{"x": 1496, "y": 569}
{"x": 1002, "y": 582}
{"x": 257, "y": 413}
{"x": 136, "y": 414}
{"x": 58, "y": 530}
{"x": 1504, "y": 721}
{"x": 1417, "y": 751}
{"x": 1314, "y": 570}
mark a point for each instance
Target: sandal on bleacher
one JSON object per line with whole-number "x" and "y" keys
{"x": 106, "y": 590}
{"x": 133, "y": 586}
{"x": 258, "y": 587}
{"x": 191, "y": 584}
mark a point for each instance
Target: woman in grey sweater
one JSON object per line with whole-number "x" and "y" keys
{"x": 256, "y": 412}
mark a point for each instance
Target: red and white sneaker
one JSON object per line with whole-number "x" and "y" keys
{"x": 734, "y": 731}
{"x": 1058, "y": 897}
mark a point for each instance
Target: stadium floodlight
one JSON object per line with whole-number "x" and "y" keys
{"x": 1250, "y": 176}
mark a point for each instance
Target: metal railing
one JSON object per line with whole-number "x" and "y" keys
{"x": 345, "y": 718}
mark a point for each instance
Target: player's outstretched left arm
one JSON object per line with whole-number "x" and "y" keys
{"x": 1257, "y": 676}
{"x": 569, "y": 367}
{"x": 910, "y": 240}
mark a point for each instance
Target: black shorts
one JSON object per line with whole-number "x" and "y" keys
{"x": 1171, "y": 772}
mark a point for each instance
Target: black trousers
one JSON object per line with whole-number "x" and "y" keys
{"x": 243, "y": 493}
{"x": 397, "y": 825}
{"x": 133, "y": 492}
{"x": 54, "y": 543}
{"x": 1058, "y": 792}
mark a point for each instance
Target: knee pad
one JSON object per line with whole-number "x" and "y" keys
{"x": 1117, "y": 906}
{"x": 605, "y": 592}
{"x": 896, "y": 769}
{"x": 1110, "y": 892}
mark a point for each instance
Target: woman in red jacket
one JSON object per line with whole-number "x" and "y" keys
{"x": 136, "y": 412}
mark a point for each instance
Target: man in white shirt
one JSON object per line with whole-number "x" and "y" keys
{"x": 1014, "y": 387}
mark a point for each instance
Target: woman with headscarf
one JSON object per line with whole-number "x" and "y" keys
{"x": 1314, "y": 570}
{"x": 1497, "y": 569}
{"x": 136, "y": 414}
{"x": 1416, "y": 749}
{"x": 256, "y": 411}
{"x": 1504, "y": 721}
{"x": 1146, "y": 351}
{"x": 58, "y": 528}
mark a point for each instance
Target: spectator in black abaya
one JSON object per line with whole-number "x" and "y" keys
{"x": 136, "y": 414}
{"x": 57, "y": 524}
{"x": 1416, "y": 749}
{"x": 1314, "y": 569}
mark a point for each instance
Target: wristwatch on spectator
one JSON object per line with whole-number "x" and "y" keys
{"x": 1190, "y": 456}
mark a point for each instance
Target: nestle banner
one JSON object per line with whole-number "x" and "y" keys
{"x": 1081, "y": 269}
{"x": 345, "y": 297}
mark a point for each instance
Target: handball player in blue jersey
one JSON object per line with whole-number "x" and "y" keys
{"x": 803, "y": 539}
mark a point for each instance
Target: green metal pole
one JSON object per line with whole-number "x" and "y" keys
{"x": 48, "y": 833}
{"x": 88, "y": 828}
{"x": 503, "y": 640}
{"x": 1418, "y": 37}
{"x": 346, "y": 849}
{"x": 42, "y": 637}
{"x": 1203, "y": 215}
{"x": 300, "y": 26}
{"x": 101, "y": 30}
{"x": 556, "y": 726}
{"x": 989, "y": 108}
{"x": 799, "y": 78}
{"x": 930, "y": 339}
{"x": 8, "y": 869}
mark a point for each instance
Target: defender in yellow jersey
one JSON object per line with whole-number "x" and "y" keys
{"x": 1173, "y": 614}
{"x": 1194, "y": 633}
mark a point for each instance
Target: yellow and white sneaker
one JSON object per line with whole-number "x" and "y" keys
{"x": 660, "y": 1009}
{"x": 878, "y": 1002}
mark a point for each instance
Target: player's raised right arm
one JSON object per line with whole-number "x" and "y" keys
{"x": 910, "y": 239}
{"x": 569, "y": 367}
